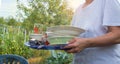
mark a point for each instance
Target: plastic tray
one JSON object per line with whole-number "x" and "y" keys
{"x": 47, "y": 47}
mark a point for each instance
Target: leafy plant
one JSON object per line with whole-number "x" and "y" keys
{"x": 58, "y": 57}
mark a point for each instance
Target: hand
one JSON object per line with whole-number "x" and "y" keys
{"x": 76, "y": 45}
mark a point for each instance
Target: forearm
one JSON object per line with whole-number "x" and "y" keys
{"x": 105, "y": 40}
{"x": 110, "y": 38}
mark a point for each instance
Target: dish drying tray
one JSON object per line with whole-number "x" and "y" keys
{"x": 47, "y": 47}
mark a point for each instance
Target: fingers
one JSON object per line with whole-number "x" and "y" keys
{"x": 70, "y": 46}
{"x": 73, "y": 50}
{"x": 71, "y": 41}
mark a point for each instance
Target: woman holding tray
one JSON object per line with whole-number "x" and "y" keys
{"x": 100, "y": 44}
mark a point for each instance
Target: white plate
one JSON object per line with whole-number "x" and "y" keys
{"x": 59, "y": 39}
{"x": 64, "y": 31}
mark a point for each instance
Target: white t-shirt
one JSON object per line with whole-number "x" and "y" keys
{"x": 94, "y": 19}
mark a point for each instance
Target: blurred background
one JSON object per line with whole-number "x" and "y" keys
{"x": 18, "y": 18}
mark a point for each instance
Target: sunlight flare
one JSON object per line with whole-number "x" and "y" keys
{"x": 75, "y": 3}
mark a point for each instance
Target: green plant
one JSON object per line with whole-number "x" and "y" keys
{"x": 59, "y": 57}
{"x": 12, "y": 42}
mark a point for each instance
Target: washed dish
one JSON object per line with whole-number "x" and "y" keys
{"x": 36, "y": 36}
{"x": 59, "y": 39}
{"x": 64, "y": 31}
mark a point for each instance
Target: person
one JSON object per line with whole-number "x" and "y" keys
{"x": 99, "y": 44}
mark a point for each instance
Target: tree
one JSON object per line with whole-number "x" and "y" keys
{"x": 46, "y": 12}
{"x": 2, "y": 20}
{"x": 11, "y": 21}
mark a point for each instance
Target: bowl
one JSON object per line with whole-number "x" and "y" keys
{"x": 64, "y": 31}
{"x": 36, "y": 36}
{"x": 59, "y": 39}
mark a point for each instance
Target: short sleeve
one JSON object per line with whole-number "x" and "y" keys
{"x": 112, "y": 13}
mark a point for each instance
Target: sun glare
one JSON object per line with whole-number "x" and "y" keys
{"x": 75, "y": 3}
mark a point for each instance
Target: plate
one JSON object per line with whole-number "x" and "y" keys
{"x": 36, "y": 36}
{"x": 47, "y": 47}
{"x": 64, "y": 31}
{"x": 59, "y": 39}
